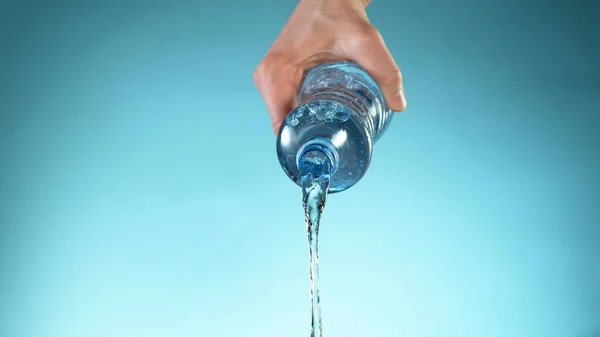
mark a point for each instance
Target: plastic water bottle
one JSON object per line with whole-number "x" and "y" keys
{"x": 341, "y": 115}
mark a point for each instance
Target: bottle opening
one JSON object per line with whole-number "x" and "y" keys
{"x": 317, "y": 157}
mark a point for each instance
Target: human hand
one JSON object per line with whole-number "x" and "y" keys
{"x": 321, "y": 31}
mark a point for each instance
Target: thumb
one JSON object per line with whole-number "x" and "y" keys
{"x": 372, "y": 54}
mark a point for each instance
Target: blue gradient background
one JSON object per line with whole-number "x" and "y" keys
{"x": 141, "y": 194}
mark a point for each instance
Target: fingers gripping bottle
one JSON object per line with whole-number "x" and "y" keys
{"x": 341, "y": 115}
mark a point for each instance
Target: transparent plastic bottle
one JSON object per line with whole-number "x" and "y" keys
{"x": 341, "y": 115}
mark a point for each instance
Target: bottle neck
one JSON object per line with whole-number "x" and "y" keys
{"x": 317, "y": 157}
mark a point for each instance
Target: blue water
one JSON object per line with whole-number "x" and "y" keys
{"x": 314, "y": 195}
{"x": 327, "y": 143}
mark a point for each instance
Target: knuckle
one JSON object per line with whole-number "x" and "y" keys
{"x": 264, "y": 70}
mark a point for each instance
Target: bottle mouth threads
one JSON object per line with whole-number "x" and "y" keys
{"x": 317, "y": 157}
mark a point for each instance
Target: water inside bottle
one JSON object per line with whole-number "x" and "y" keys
{"x": 341, "y": 127}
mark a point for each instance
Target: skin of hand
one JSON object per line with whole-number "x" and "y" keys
{"x": 321, "y": 31}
